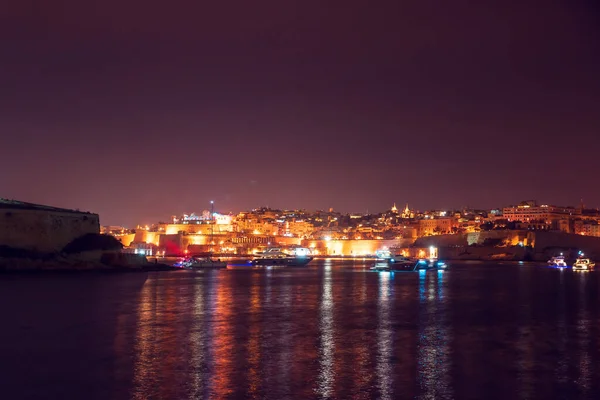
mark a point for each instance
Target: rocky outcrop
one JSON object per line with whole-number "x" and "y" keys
{"x": 92, "y": 252}
{"x": 92, "y": 242}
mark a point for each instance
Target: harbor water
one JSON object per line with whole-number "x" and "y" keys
{"x": 331, "y": 330}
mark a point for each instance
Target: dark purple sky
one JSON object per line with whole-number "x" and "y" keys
{"x": 139, "y": 110}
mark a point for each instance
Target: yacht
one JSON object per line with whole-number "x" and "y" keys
{"x": 200, "y": 263}
{"x": 433, "y": 264}
{"x": 381, "y": 266}
{"x": 400, "y": 260}
{"x": 276, "y": 256}
{"x": 408, "y": 264}
{"x": 583, "y": 264}
{"x": 557, "y": 261}
{"x": 386, "y": 256}
{"x": 383, "y": 254}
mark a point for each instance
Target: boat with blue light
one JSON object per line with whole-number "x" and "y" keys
{"x": 388, "y": 261}
{"x": 557, "y": 262}
{"x": 199, "y": 263}
{"x": 275, "y": 256}
{"x": 406, "y": 264}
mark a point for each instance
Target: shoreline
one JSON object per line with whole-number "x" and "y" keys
{"x": 107, "y": 269}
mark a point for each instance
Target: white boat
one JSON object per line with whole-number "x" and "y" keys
{"x": 381, "y": 266}
{"x": 383, "y": 254}
{"x": 401, "y": 263}
{"x": 433, "y": 264}
{"x": 400, "y": 260}
{"x": 276, "y": 256}
{"x": 557, "y": 261}
{"x": 200, "y": 263}
{"x": 583, "y": 264}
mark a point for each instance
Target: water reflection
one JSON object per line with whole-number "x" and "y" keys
{"x": 525, "y": 337}
{"x": 254, "y": 345}
{"x": 284, "y": 339}
{"x": 143, "y": 370}
{"x": 327, "y": 331}
{"x": 561, "y": 331}
{"x": 385, "y": 344}
{"x": 583, "y": 335}
{"x": 223, "y": 340}
{"x": 198, "y": 340}
{"x": 326, "y": 342}
{"x": 362, "y": 341}
{"x": 434, "y": 337}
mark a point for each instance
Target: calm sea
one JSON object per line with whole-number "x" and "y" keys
{"x": 330, "y": 330}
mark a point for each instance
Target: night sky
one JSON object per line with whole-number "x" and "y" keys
{"x": 138, "y": 110}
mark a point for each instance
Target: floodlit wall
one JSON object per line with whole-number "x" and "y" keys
{"x": 353, "y": 247}
{"x": 509, "y": 237}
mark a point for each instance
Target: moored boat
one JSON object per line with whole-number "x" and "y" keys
{"x": 557, "y": 261}
{"x": 402, "y": 264}
{"x": 583, "y": 264}
{"x": 200, "y": 263}
{"x": 275, "y": 256}
{"x": 424, "y": 264}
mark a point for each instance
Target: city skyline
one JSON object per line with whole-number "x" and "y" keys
{"x": 400, "y": 208}
{"x": 137, "y": 115}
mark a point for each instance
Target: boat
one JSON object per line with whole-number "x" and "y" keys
{"x": 557, "y": 261}
{"x": 583, "y": 264}
{"x": 275, "y": 256}
{"x": 433, "y": 264}
{"x": 402, "y": 261}
{"x": 383, "y": 254}
{"x": 381, "y": 266}
{"x": 402, "y": 264}
{"x": 200, "y": 263}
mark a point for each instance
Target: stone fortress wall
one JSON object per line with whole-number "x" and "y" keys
{"x": 42, "y": 228}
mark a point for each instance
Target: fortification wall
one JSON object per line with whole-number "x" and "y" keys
{"x": 354, "y": 247}
{"x": 508, "y": 237}
{"x": 44, "y": 230}
{"x": 547, "y": 243}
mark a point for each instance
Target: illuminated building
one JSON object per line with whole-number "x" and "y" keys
{"x": 587, "y": 228}
{"x": 407, "y": 213}
{"x": 436, "y": 226}
{"x": 529, "y": 211}
{"x": 299, "y": 228}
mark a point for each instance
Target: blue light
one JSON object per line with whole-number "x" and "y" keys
{"x": 422, "y": 262}
{"x": 392, "y": 260}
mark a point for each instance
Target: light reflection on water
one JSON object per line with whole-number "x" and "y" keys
{"x": 525, "y": 338}
{"x": 583, "y": 334}
{"x": 326, "y": 342}
{"x": 434, "y": 361}
{"x": 561, "y": 327}
{"x": 385, "y": 345}
{"x": 254, "y": 345}
{"x": 331, "y": 330}
{"x": 197, "y": 343}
